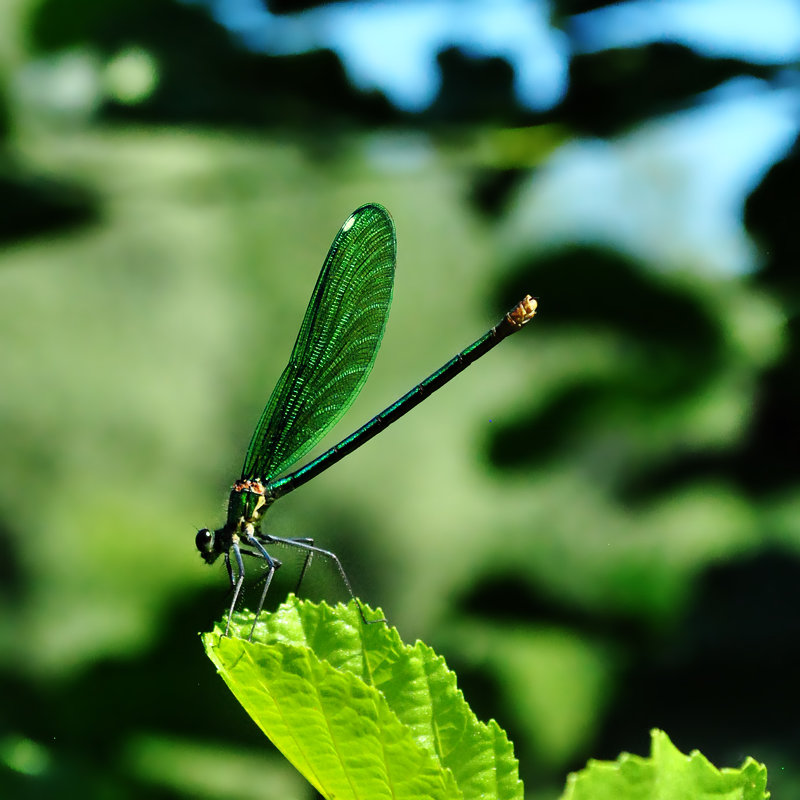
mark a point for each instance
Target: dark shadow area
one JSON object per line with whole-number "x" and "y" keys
{"x": 12, "y": 583}
{"x": 5, "y": 115}
{"x": 292, "y": 6}
{"x": 87, "y": 721}
{"x": 566, "y": 419}
{"x": 728, "y": 672}
{"x": 475, "y": 90}
{"x": 35, "y": 205}
{"x": 492, "y": 190}
{"x": 765, "y": 460}
{"x": 210, "y": 78}
{"x": 669, "y": 346}
{"x": 516, "y": 601}
{"x": 601, "y": 290}
{"x": 565, "y": 8}
{"x": 723, "y": 675}
{"x": 614, "y": 90}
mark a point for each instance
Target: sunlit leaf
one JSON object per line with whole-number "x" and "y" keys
{"x": 667, "y": 774}
{"x": 359, "y": 713}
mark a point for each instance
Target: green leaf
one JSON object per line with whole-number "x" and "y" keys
{"x": 667, "y": 775}
{"x": 359, "y": 713}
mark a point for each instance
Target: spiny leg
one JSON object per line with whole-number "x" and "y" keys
{"x": 303, "y": 544}
{"x": 273, "y": 564}
{"x": 276, "y": 561}
{"x": 237, "y": 584}
{"x": 306, "y": 563}
{"x": 230, "y": 571}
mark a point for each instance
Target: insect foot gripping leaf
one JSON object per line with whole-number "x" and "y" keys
{"x": 359, "y": 713}
{"x": 667, "y": 774}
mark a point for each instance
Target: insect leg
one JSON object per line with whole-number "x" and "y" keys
{"x": 310, "y": 548}
{"x": 273, "y": 564}
{"x": 237, "y": 585}
{"x": 306, "y": 563}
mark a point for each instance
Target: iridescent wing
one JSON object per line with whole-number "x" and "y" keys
{"x": 336, "y": 345}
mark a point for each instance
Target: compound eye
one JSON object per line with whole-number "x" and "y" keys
{"x": 204, "y": 541}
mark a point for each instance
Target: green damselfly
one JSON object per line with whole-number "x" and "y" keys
{"x": 332, "y": 358}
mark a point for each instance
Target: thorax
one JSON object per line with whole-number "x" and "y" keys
{"x": 247, "y": 502}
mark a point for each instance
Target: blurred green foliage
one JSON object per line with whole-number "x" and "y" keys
{"x": 598, "y": 524}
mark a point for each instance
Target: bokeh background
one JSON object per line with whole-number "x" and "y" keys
{"x": 598, "y": 525}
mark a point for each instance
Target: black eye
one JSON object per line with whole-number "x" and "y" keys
{"x": 204, "y": 541}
